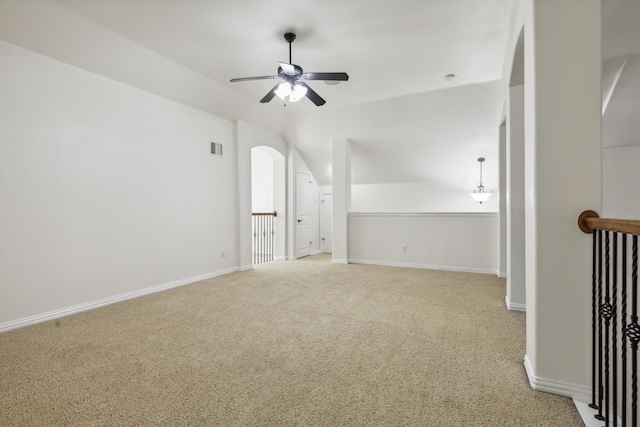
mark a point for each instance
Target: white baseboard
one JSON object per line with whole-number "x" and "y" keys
{"x": 502, "y": 274}
{"x": 515, "y": 306}
{"x": 423, "y": 266}
{"x": 576, "y": 392}
{"x": 67, "y": 311}
{"x": 588, "y": 415}
{"x": 339, "y": 261}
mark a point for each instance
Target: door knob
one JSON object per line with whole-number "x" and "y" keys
{"x": 299, "y": 220}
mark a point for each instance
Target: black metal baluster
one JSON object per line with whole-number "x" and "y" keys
{"x": 599, "y": 415}
{"x": 262, "y": 238}
{"x": 633, "y": 332}
{"x": 269, "y": 225}
{"x": 606, "y": 314}
{"x": 593, "y": 403}
{"x": 623, "y": 326}
{"x": 614, "y": 330}
{"x": 269, "y": 229}
{"x": 255, "y": 239}
{"x": 273, "y": 231}
{"x": 266, "y": 238}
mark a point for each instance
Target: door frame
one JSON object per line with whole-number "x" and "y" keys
{"x": 296, "y": 215}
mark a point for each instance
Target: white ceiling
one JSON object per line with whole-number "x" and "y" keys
{"x": 401, "y": 115}
{"x": 389, "y": 49}
{"x": 405, "y": 121}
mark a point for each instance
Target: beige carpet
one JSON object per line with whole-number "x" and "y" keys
{"x": 305, "y": 343}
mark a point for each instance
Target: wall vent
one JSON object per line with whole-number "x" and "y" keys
{"x": 216, "y": 149}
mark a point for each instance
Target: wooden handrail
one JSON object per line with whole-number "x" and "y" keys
{"x": 274, "y": 213}
{"x": 590, "y": 220}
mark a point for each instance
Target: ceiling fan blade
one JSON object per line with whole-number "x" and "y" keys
{"x": 313, "y": 96}
{"x": 269, "y": 96}
{"x": 326, "y": 76}
{"x": 288, "y": 69}
{"x": 246, "y": 79}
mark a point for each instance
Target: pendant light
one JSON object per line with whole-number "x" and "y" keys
{"x": 479, "y": 194}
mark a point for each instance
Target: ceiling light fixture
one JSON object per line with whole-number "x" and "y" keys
{"x": 479, "y": 194}
{"x": 292, "y": 93}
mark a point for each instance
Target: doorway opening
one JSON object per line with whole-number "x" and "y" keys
{"x": 326, "y": 223}
{"x": 267, "y": 204}
{"x": 304, "y": 239}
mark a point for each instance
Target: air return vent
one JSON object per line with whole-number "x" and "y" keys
{"x": 216, "y": 149}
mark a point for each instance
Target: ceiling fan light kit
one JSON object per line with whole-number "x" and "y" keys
{"x": 292, "y": 89}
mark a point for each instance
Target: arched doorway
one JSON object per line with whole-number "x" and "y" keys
{"x": 267, "y": 196}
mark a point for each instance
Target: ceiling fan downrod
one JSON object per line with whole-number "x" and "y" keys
{"x": 289, "y": 37}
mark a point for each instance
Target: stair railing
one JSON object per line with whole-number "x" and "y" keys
{"x": 263, "y": 236}
{"x": 614, "y": 375}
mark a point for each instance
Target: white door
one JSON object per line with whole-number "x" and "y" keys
{"x": 326, "y": 222}
{"x": 303, "y": 214}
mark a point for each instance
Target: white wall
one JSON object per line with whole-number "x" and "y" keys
{"x": 261, "y": 180}
{"x": 105, "y": 190}
{"x": 418, "y": 197}
{"x": 515, "y": 194}
{"x": 460, "y": 242}
{"x": 620, "y": 182}
{"x": 563, "y": 151}
{"x": 36, "y": 25}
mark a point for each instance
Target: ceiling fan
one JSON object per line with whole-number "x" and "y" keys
{"x": 292, "y": 89}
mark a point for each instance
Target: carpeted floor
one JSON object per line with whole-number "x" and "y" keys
{"x": 289, "y": 343}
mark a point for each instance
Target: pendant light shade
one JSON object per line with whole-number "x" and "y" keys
{"x": 479, "y": 194}
{"x": 284, "y": 89}
{"x": 298, "y": 93}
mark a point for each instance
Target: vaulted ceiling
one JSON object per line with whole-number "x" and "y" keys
{"x": 406, "y": 122}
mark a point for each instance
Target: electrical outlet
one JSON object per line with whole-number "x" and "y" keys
{"x": 222, "y": 254}
{"x": 404, "y": 248}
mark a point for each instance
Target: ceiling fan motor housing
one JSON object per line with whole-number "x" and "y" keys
{"x": 286, "y": 76}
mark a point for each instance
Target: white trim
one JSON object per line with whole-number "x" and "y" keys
{"x": 512, "y": 306}
{"x": 243, "y": 268}
{"x": 423, "y": 214}
{"x": 67, "y": 311}
{"x": 588, "y": 414}
{"x": 423, "y": 266}
{"x": 577, "y": 392}
{"x": 502, "y": 274}
{"x": 339, "y": 261}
